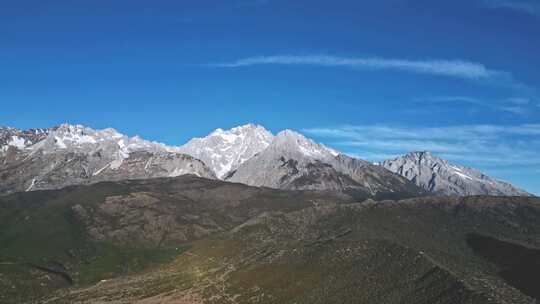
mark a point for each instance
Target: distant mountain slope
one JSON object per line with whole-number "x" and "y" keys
{"x": 441, "y": 177}
{"x": 225, "y": 150}
{"x": 292, "y": 161}
{"x": 72, "y": 154}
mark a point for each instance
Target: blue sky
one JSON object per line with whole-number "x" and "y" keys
{"x": 371, "y": 78}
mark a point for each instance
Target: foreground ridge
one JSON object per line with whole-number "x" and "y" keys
{"x": 194, "y": 240}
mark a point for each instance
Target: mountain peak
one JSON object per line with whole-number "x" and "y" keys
{"x": 250, "y": 127}
{"x": 83, "y": 130}
{"x": 293, "y": 161}
{"x": 240, "y": 148}
{"x": 74, "y": 154}
{"x": 246, "y": 127}
{"x": 421, "y": 153}
{"x": 291, "y": 134}
{"x": 437, "y": 175}
{"x": 224, "y": 150}
{"x": 290, "y": 140}
{"x": 20, "y": 139}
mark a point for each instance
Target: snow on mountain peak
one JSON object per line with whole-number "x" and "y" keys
{"x": 18, "y": 139}
{"x": 77, "y": 135}
{"x": 224, "y": 150}
{"x": 66, "y": 136}
{"x": 17, "y": 142}
{"x": 289, "y": 139}
{"x": 80, "y": 139}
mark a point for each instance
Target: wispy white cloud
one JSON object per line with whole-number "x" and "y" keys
{"x": 450, "y": 68}
{"x": 517, "y": 110}
{"x": 531, "y": 7}
{"x": 513, "y": 105}
{"x": 487, "y": 145}
{"x": 518, "y": 100}
{"x": 252, "y": 2}
{"x": 451, "y": 99}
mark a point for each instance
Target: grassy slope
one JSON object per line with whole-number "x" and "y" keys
{"x": 408, "y": 252}
{"x": 37, "y": 229}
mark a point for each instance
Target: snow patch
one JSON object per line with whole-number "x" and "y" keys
{"x": 100, "y": 170}
{"x": 17, "y": 142}
{"x": 463, "y": 175}
{"x": 31, "y": 185}
{"x": 60, "y": 143}
{"x": 460, "y": 173}
{"x": 120, "y": 156}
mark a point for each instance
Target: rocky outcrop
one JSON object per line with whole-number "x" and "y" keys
{"x": 438, "y": 176}
{"x": 70, "y": 155}
{"x": 294, "y": 162}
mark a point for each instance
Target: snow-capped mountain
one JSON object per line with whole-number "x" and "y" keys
{"x": 224, "y": 151}
{"x": 290, "y": 142}
{"x": 287, "y": 152}
{"x": 292, "y": 161}
{"x": 73, "y": 154}
{"x": 20, "y": 139}
{"x": 438, "y": 176}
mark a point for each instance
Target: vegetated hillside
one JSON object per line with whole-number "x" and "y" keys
{"x": 82, "y": 234}
{"x": 191, "y": 240}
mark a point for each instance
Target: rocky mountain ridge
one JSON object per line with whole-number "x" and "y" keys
{"x": 73, "y": 154}
{"x": 438, "y": 176}
{"x": 293, "y": 161}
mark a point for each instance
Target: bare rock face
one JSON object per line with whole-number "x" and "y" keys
{"x": 69, "y": 155}
{"x": 289, "y": 160}
{"x": 72, "y": 154}
{"x": 294, "y": 162}
{"x": 438, "y": 176}
{"x": 373, "y": 177}
{"x": 289, "y": 157}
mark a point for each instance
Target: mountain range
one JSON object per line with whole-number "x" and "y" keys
{"x": 66, "y": 155}
{"x": 246, "y": 216}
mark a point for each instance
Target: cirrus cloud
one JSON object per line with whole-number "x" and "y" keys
{"x": 450, "y": 68}
{"x": 488, "y": 145}
{"x": 514, "y": 105}
{"x": 531, "y": 7}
